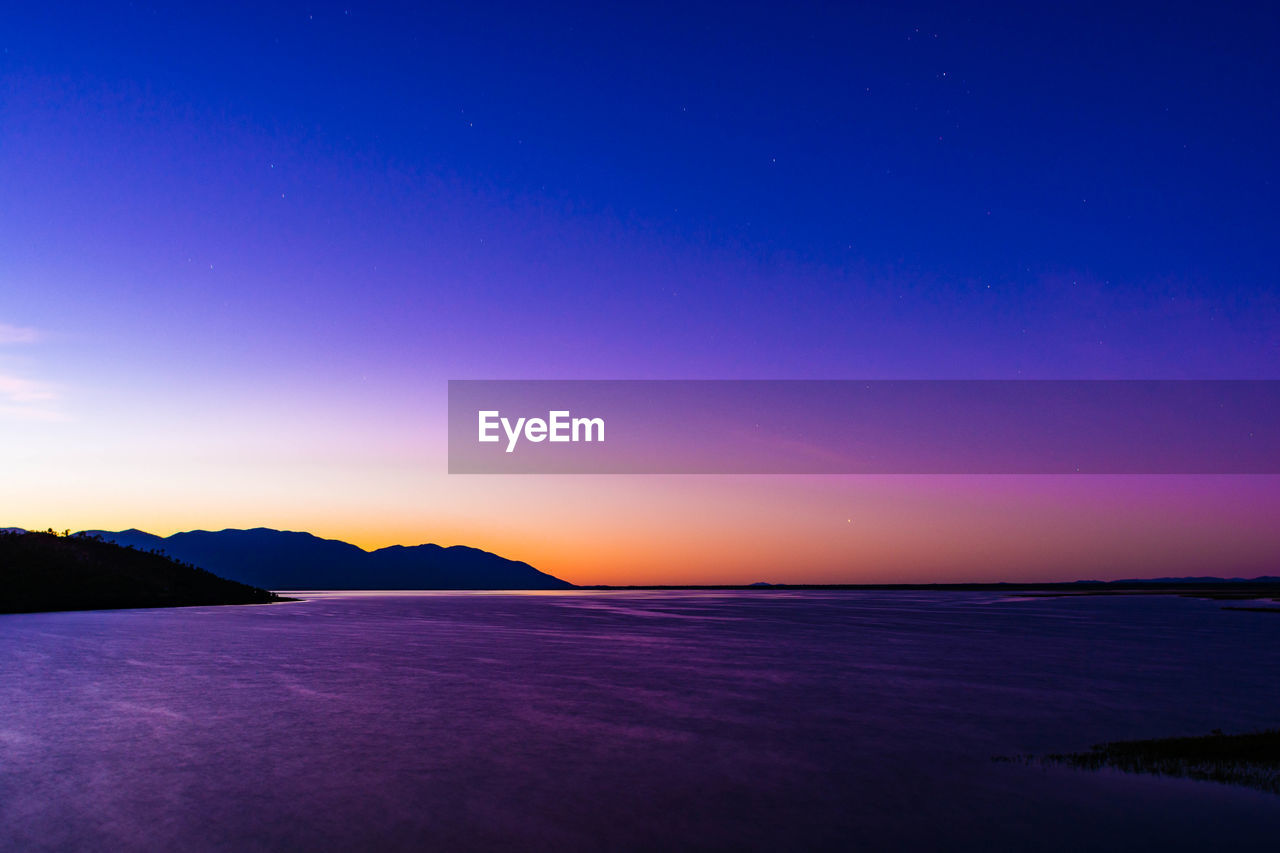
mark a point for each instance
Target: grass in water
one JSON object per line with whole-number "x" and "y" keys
{"x": 1252, "y": 759}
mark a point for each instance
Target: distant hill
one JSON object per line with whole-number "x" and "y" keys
{"x": 280, "y": 559}
{"x": 44, "y": 571}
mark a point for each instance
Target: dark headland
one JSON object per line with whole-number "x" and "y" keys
{"x": 45, "y": 571}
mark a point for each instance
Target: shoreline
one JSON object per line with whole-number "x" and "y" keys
{"x": 281, "y": 600}
{"x": 1218, "y": 590}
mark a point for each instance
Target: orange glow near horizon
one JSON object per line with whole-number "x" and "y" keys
{"x": 643, "y": 530}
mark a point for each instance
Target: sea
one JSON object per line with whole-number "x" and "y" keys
{"x": 621, "y": 721}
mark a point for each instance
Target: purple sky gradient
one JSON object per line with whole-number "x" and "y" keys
{"x": 243, "y": 250}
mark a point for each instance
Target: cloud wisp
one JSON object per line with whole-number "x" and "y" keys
{"x": 22, "y": 398}
{"x": 11, "y": 334}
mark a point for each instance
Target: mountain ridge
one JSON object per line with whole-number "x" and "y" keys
{"x": 290, "y": 559}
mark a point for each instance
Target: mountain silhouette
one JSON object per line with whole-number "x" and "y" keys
{"x": 282, "y": 559}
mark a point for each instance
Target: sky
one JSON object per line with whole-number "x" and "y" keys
{"x": 244, "y": 247}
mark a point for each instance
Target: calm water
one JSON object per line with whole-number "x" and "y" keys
{"x": 624, "y": 721}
